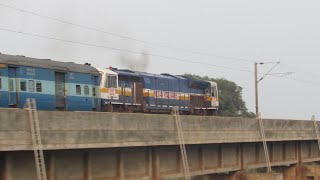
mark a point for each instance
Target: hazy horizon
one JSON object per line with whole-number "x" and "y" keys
{"x": 285, "y": 31}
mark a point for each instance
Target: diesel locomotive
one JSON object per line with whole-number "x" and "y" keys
{"x": 73, "y": 87}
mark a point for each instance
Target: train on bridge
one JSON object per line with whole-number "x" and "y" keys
{"x": 68, "y": 86}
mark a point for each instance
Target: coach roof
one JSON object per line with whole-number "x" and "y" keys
{"x": 47, "y": 63}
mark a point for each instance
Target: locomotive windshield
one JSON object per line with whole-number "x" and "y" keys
{"x": 207, "y": 92}
{"x": 111, "y": 82}
{"x": 214, "y": 91}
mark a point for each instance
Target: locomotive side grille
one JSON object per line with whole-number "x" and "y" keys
{"x": 197, "y": 101}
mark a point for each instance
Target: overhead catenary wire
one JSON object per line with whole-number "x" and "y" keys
{"x": 149, "y": 54}
{"x": 283, "y": 75}
{"x": 125, "y": 37}
{"x": 268, "y": 73}
{"x": 122, "y": 50}
{"x": 306, "y": 72}
{"x": 146, "y": 42}
{"x": 130, "y": 38}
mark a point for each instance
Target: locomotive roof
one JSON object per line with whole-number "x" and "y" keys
{"x": 126, "y": 72}
{"x": 139, "y": 74}
{"x": 47, "y": 63}
{"x": 106, "y": 71}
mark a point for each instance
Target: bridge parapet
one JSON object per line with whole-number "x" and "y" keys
{"x": 74, "y": 130}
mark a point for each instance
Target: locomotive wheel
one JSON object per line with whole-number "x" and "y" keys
{"x": 215, "y": 112}
{"x": 121, "y": 108}
{"x": 130, "y": 109}
{"x": 125, "y": 108}
{"x": 192, "y": 111}
{"x": 204, "y": 112}
{"x": 212, "y": 112}
{"x": 144, "y": 107}
{"x": 109, "y": 108}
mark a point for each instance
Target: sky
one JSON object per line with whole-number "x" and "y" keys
{"x": 243, "y": 31}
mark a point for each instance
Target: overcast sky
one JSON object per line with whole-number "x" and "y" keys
{"x": 286, "y": 30}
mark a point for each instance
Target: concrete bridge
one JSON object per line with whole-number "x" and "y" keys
{"x": 96, "y": 146}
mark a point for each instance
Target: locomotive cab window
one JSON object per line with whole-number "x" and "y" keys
{"x": 78, "y": 90}
{"x": 111, "y": 82}
{"x": 31, "y": 85}
{"x": 214, "y": 92}
{"x": 207, "y": 92}
{"x": 23, "y": 85}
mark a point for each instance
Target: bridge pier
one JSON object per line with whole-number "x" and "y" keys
{"x": 302, "y": 172}
{"x": 295, "y": 172}
{"x": 155, "y": 164}
{"x": 4, "y": 168}
{"x": 50, "y": 165}
{"x": 243, "y": 176}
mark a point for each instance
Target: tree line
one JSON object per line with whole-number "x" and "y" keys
{"x": 230, "y": 97}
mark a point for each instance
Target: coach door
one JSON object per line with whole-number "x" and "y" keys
{"x": 12, "y": 87}
{"x": 95, "y": 97}
{"x": 60, "y": 91}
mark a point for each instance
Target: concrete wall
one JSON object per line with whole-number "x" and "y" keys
{"x": 71, "y": 130}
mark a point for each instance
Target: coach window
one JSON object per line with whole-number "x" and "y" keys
{"x": 39, "y": 86}
{"x": 11, "y": 85}
{"x": 93, "y": 91}
{"x": 31, "y": 85}
{"x": 78, "y": 90}
{"x": 111, "y": 82}
{"x": 23, "y": 85}
{"x": 86, "y": 90}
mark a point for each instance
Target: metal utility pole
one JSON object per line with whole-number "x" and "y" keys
{"x": 258, "y": 114}
{"x": 256, "y": 87}
{"x": 256, "y": 80}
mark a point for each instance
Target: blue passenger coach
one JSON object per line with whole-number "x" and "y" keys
{"x": 55, "y": 85}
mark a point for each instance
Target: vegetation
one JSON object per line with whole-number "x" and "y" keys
{"x": 230, "y": 97}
